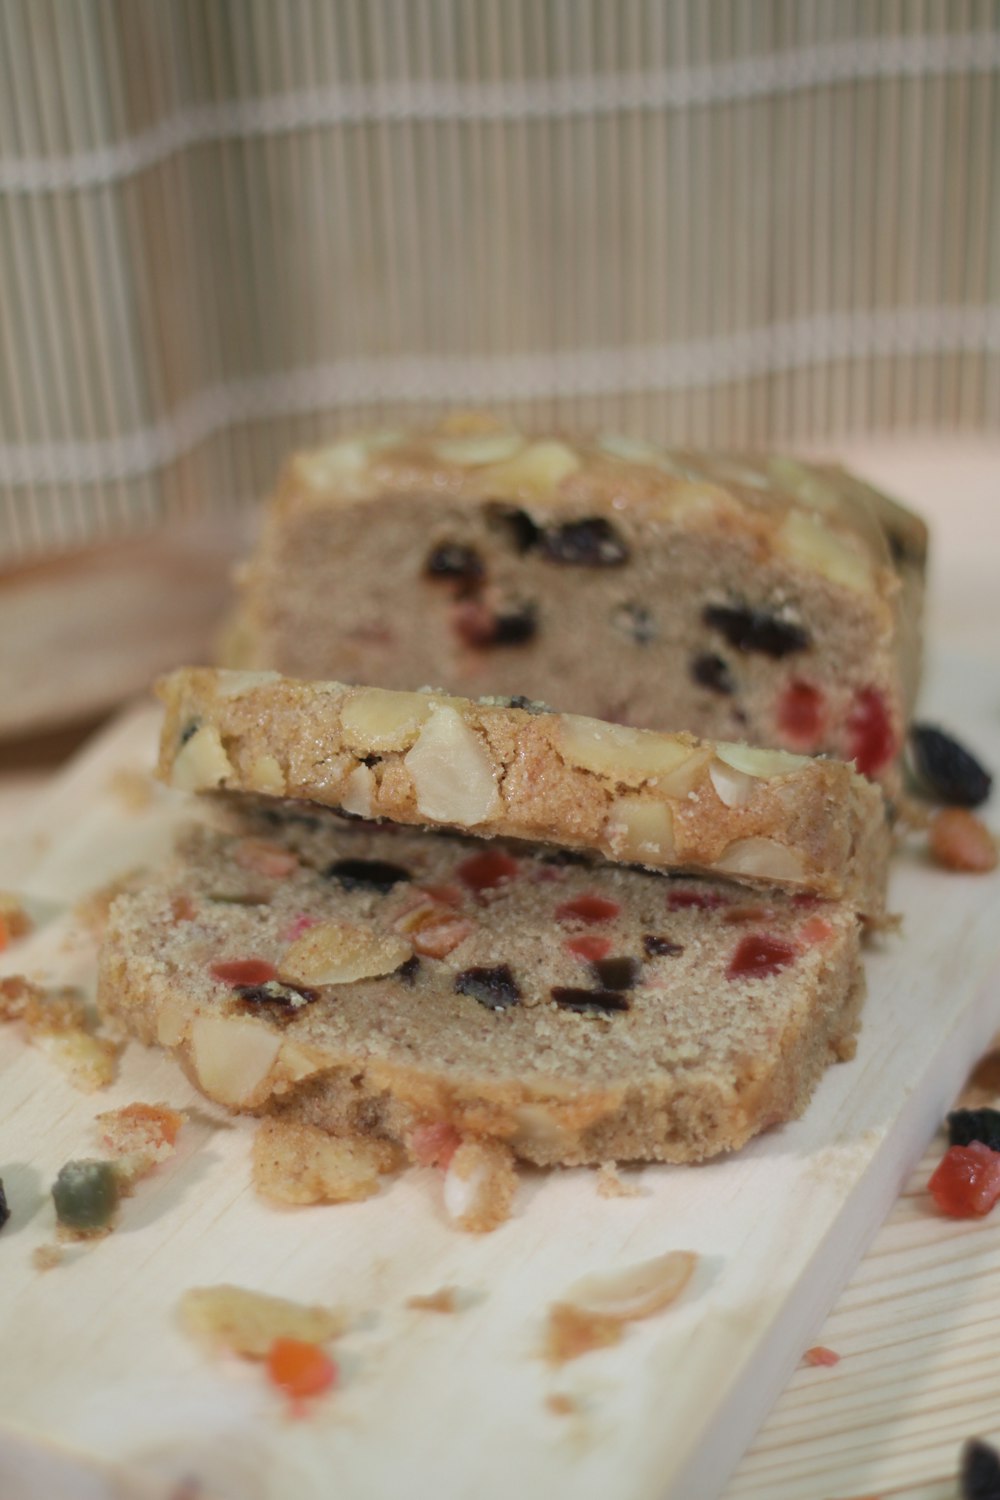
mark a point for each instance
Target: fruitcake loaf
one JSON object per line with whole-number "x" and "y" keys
{"x": 377, "y": 980}
{"x": 514, "y": 769}
{"x": 755, "y": 599}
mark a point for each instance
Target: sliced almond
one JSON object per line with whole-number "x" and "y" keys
{"x": 235, "y": 684}
{"x": 265, "y": 775}
{"x": 636, "y": 1291}
{"x": 641, "y": 830}
{"x": 340, "y": 952}
{"x": 359, "y": 788}
{"x": 623, "y": 754}
{"x": 479, "y": 448}
{"x": 764, "y": 858}
{"x": 376, "y": 719}
{"x": 325, "y": 467}
{"x": 733, "y": 788}
{"x": 247, "y": 1323}
{"x": 805, "y": 538}
{"x": 453, "y": 776}
{"x": 201, "y": 763}
{"x": 535, "y": 471}
{"x": 755, "y": 761}
{"x": 232, "y": 1058}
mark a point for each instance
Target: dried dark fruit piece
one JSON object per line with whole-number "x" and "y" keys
{"x": 751, "y": 629}
{"x": 710, "y": 671}
{"x": 277, "y": 992}
{"x": 618, "y": 973}
{"x": 660, "y": 947}
{"x": 452, "y": 560}
{"x": 514, "y": 624}
{"x": 518, "y": 525}
{"x": 366, "y": 874}
{"x": 479, "y": 626}
{"x": 4, "y": 1210}
{"x": 243, "y": 971}
{"x": 944, "y": 770}
{"x": 980, "y": 1471}
{"x": 635, "y": 622}
{"x": 495, "y": 988}
{"x": 759, "y": 954}
{"x": 968, "y": 1125}
{"x": 591, "y": 543}
{"x": 86, "y": 1195}
{"x": 407, "y": 971}
{"x": 585, "y": 1002}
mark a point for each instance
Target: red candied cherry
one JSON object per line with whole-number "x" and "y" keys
{"x": 871, "y": 743}
{"x": 814, "y": 931}
{"x": 588, "y": 946}
{"x": 587, "y": 908}
{"x": 801, "y": 715}
{"x": 760, "y": 954}
{"x": 966, "y": 1181}
{"x": 699, "y": 900}
{"x": 484, "y": 872}
{"x": 239, "y": 971}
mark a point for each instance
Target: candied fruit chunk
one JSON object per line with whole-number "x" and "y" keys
{"x": 452, "y": 560}
{"x": 945, "y": 770}
{"x": 584, "y": 1002}
{"x": 760, "y": 954}
{"x": 241, "y": 972}
{"x": 589, "y": 946}
{"x": 617, "y": 973}
{"x": 699, "y": 900}
{"x": 439, "y": 933}
{"x": 871, "y": 743}
{"x": 588, "y": 908}
{"x": 968, "y": 1125}
{"x": 656, "y": 946}
{"x": 591, "y": 543}
{"x": 710, "y": 671}
{"x": 479, "y": 626}
{"x": 819, "y": 1354}
{"x": 749, "y": 629}
{"x": 495, "y": 988}
{"x": 966, "y": 1181}
{"x": 959, "y": 841}
{"x": 366, "y": 874}
{"x": 300, "y": 1369}
{"x": 815, "y": 931}
{"x": 85, "y": 1195}
{"x": 801, "y": 715}
{"x": 484, "y": 872}
{"x": 433, "y": 1145}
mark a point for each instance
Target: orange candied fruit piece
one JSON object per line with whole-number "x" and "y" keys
{"x": 588, "y": 908}
{"x": 966, "y": 1181}
{"x": 300, "y": 1369}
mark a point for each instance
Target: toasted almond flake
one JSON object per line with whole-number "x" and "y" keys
{"x": 619, "y": 752}
{"x": 359, "y": 788}
{"x": 636, "y": 1291}
{"x": 378, "y": 719}
{"x": 534, "y": 471}
{"x": 733, "y": 788}
{"x": 453, "y": 776}
{"x": 478, "y": 448}
{"x": 296, "y": 1163}
{"x": 201, "y": 763}
{"x": 765, "y": 858}
{"x": 754, "y": 761}
{"x": 234, "y": 684}
{"x": 247, "y": 1323}
{"x": 640, "y": 829}
{"x": 265, "y": 775}
{"x": 232, "y": 1058}
{"x": 805, "y": 538}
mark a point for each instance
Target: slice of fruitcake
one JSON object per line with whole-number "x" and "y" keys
{"x": 372, "y": 980}
{"x": 762, "y": 600}
{"x": 496, "y": 768}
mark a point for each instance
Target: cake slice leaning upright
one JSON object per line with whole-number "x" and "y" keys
{"x": 740, "y": 599}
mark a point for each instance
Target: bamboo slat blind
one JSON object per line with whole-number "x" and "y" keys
{"x": 229, "y": 227}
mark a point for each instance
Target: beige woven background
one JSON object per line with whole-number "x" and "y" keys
{"x": 228, "y": 228}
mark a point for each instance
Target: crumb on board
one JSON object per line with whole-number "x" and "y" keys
{"x": 134, "y": 789}
{"x": 14, "y": 920}
{"x": 46, "y": 1257}
{"x": 444, "y": 1300}
{"x": 56, "y": 1022}
{"x": 247, "y": 1323}
{"x": 573, "y": 1331}
{"x": 819, "y": 1354}
{"x": 610, "y": 1184}
{"x": 479, "y": 1186}
{"x": 562, "y": 1405}
{"x": 91, "y": 911}
{"x": 295, "y": 1163}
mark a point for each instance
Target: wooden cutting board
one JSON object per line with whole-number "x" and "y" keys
{"x": 101, "y": 1396}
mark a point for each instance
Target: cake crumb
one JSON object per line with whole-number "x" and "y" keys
{"x": 14, "y": 920}
{"x": 56, "y": 1022}
{"x": 139, "y": 1137}
{"x": 479, "y": 1186}
{"x": 45, "y": 1257}
{"x": 295, "y": 1163}
{"x": 573, "y": 1331}
{"x": 247, "y": 1323}
{"x": 444, "y": 1300}
{"x": 562, "y": 1405}
{"x": 610, "y": 1183}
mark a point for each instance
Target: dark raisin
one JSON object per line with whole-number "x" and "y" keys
{"x": 4, "y": 1210}
{"x": 276, "y": 992}
{"x": 518, "y": 525}
{"x": 593, "y": 543}
{"x": 514, "y": 624}
{"x": 407, "y": 970}
{"x": 636, "y": 622}
{"x": 371, "y": 760}
{"x": 494, "y": 988}
{"x": 750, "y": 629}
{"x": 617, "y": 973}
{"x": 566, "y": 857}
{"x": 453, "y": 561}
{"x": 710, "y": 671}
{"x": 586, "y": 1002}
{"x": 967, "y": 1125}
{"x": 946, "y": 771}
{"x": 366, "y": 874}
{"x": 190, "y": 729}
{"x": 980, "y": 1471}
{"x": 660, "y": 947}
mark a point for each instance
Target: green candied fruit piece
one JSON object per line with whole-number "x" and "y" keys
{"x": 86, "y": 1195}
